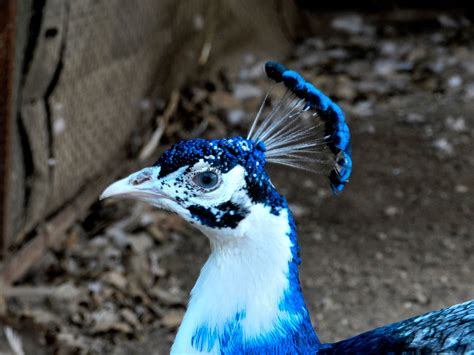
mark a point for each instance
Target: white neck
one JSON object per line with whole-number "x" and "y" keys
{"x": 245, "y": 276}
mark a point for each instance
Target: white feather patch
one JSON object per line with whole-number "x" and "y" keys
{"x": 246, "y": 271}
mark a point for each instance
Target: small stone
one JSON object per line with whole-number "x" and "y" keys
{"x": 396, "y": 171}
{"x": 449, "y": 244}
{"x": 141, "y": 243}
{"x": 461, "y": 189}
{"x": 443, "y": 146}
{"x": 351, "y": 24}
{"x": 43, "y": 317}
{"x": 298, "y": 210}
{"x": 368, "y": 128}
{"x": 156, "y": 233}
{"x": 168, "y": 298}
{"x": 235, "y": 117}
{"x": 455, "y": 81}
{"x": 70, "y": 343}
{"x": 225, "y": 100}
{"x": 323, "y": 193}
{"x": 328, "y": 304}
{"x": 388, "y": 48}
{"x": 145, "y": 104}
{"x": 95, "y": 286}
{"x": 98, "y": 242}
{"x": 252, "y": 72}
{"x": 198, "y": 22}
{"x": 456, "y": 124}
{"x": 391, "y": 211}
{"x": 447, "y": 21}
{"x": 399, "y": 194}
{"x": 344, "y": 322}
{"x": 382, "y": 236}
{"x": 414, "y": 118}
{"x": 172, "y": 319}
{"x": 59, "y": 125}
{"x": 345, "y": 89}
{"x": 338, "y": 53}
{"x": 363, "y": 109}
{"x": 420, "y": 295}
{"x": 385, "y": 67}
{"x": 130, "y": 317}
{"x": 244, "y": 91}
{"x": 116, "y": 279}
{"x": 469, "y": 91}
{"x": 118, "y": 236}
{"x": 103, "y": 320}
{"x": 146, "y": 219}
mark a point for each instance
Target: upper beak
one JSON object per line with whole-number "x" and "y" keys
{"x": 139, "y": 185}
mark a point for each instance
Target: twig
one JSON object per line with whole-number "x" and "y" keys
{"x": 162, "y": 122}
{"x": 63, "y": 292}
{"x": 14, "y": 341}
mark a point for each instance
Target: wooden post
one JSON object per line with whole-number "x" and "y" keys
{"x": 7, "y": 60}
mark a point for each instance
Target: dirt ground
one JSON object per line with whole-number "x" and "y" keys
{"x": 398, "y": 241}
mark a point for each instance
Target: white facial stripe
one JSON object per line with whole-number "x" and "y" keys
{"x": 189, "y": 200}
{"x": 232, "y": 181}
{"x": 175, "y": 174}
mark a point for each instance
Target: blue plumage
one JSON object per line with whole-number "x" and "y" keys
{"x": 447, "y": 331}
{"x": 316, "y": 98}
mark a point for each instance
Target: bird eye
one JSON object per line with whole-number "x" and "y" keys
{"x": 207, "y": 180}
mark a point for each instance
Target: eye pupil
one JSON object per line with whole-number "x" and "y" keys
{"x": 207, "y": 179}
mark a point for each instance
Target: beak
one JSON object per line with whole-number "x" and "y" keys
{"x": 141, "y": 185}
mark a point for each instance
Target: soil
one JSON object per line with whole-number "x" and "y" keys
{"x": 396, "y": 243}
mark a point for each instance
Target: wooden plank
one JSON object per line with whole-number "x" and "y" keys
{"x": 49, "y": 234}
{"x": 7, "y": 58}
{"x": 54, "y": 230}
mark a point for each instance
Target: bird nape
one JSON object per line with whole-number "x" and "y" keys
{"x": 248, "y": 297}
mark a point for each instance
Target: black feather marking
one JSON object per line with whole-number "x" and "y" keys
{"x": 225, "y": 215}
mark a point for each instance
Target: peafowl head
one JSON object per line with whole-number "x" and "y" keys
{"x": 210, "y": 183}
{"x": 213, "y": 184}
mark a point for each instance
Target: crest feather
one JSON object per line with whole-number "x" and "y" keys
{"x": 303, "y": 127}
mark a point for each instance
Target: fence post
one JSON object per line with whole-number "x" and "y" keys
{"x": 7, "y": 58}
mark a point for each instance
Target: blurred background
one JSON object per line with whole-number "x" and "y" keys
{"x": 91, "y": 90}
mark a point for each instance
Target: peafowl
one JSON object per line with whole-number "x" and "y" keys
{"x": 248, "y": 298}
